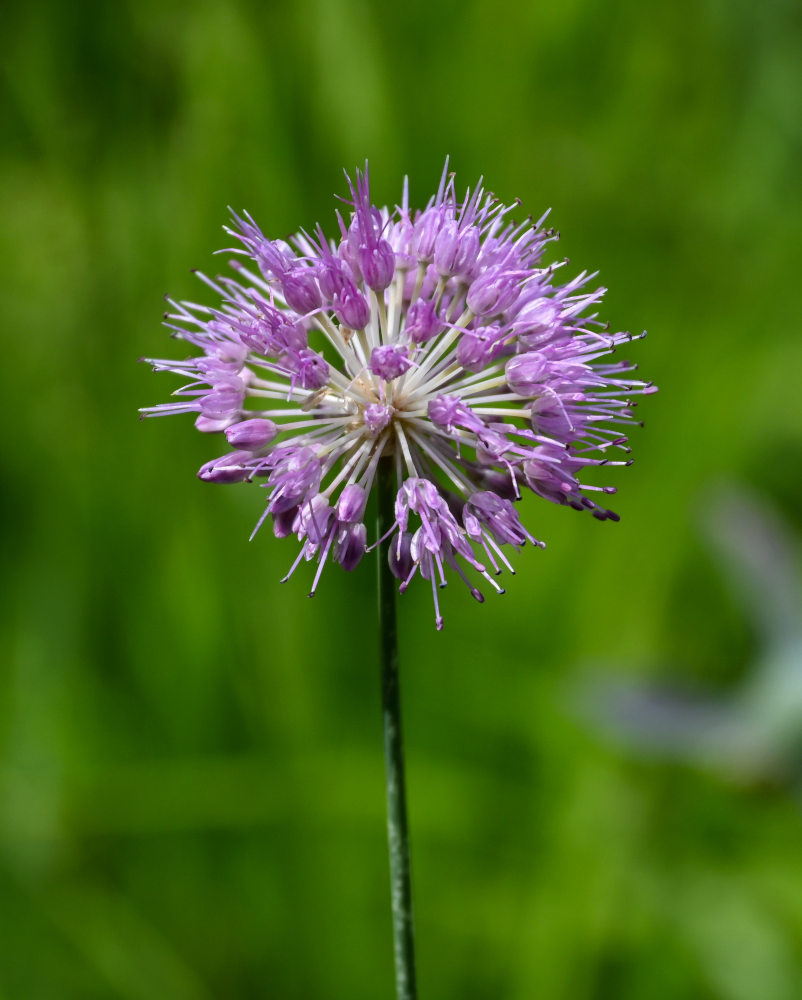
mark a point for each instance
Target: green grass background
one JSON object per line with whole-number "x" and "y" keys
{"x": 191, "y": 785}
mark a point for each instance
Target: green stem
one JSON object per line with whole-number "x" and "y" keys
{"x": 397, "y": 833}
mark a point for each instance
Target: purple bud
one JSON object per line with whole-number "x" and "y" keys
{"x": 272, "y": 333}
{"x": 472, "y": 352}
{"x": 230, "y": 354}
{"x": 525, "y": 373}
{"x": 377, "y": 264}
{"x": 493, "y": 293}
{"x": 348, "y": 250}
{"x": 210, "y": 426}
{"x": 469, "y": 244}
{"x": 219, "y": 368}
{"x": 537, "y": 323}
{"x": 498, "y": 515}
{"x": 350, "y": 545}
{"x": 446, "y": 411}
{"x": 296, "y": 473}
{"x": 400, "y": 557}
{"x": 550, "y": 416}
{"x": 422, "y": 322}
{"x": 399, "y": 237}
{"x": 377, "y": 416}
{"x": 255, "y": 337}
{"x": 222, "y": 403}
{"x": 331, "y": 278}
{"x": 229, "y": 468}
{"x": 424, "y": 233}
{"x": 289, "y": 337}
{"x": 351, "y": 308}
{"x": 310, "y": 368}
{"x": 455, "y": 250}
{"x": 314, "y": 519}
{"x": 300, "y": 289}
{"x": 446, "y": 246}
{"x": 270, "y": 258}
{"x": 251, "y": 435}
{"x": 351, "y": 505}
{"x": 477, "y": 348}
{"x": 283, "y": 522}
{"x": 389, "y": 361}
{"x": 500, "y": 483}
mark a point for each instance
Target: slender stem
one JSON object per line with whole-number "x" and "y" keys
{"x": 397, "y": 833}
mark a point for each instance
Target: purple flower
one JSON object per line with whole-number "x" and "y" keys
{"x": 377, "y": 416}
{"x": 436, "y": 337}
{"x": 251, "y": 435}
{"x": 388, "y": 361}
{"x": 422, "y": 323}
{"x": 350, "y": 306}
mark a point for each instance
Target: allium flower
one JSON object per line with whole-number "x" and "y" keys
{"x": 433, "y": 337}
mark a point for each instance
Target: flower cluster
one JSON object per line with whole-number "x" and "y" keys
{"x": 434, "y": 339}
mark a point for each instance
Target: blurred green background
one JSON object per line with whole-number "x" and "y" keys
{"x": 191, "y": 781}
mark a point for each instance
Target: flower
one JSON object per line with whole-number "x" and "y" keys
{"x": 434, "y": 338}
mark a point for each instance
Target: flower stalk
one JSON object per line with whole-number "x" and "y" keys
{"x": 397, "y": 830}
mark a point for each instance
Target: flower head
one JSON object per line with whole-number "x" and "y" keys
{"x": 436, "y": 339}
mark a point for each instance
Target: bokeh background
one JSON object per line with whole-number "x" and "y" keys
{"x": 603, "y": 764}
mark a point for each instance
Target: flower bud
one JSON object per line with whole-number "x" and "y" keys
{"x": 251, "y": 435}
{"x": 389, "y": 361}
{"x": 377, "y": 265}
{"x": 300, "y": 289}
{"x": 310, "y": 369}
{"x": 331, "y": 278}
{"x": 424, "y": 234}
{"x": 422, "y": 322}
{"x": 477, "y": 348}
{"x": 221, "y": 403}
{"x": 226, "y": 469}
{"x": 256, "y": 337}
{"x": 493, "y": 293}
{"x": 456, "y": 250}
{"x": 376, "y": 417}
{"x": 314, "y": 519}
{"x": 350, "y": 546}
{"x": 296, "y": 472}
{"x": 399, "y": 556}
{"x": 537, "y": 323}
{"x": 211, "y": 426}
{"x": 526, "y": 372}
{"x": 283, "y": 522}
{"x": 351, "y": 505}
{"x": 351, "y": 308}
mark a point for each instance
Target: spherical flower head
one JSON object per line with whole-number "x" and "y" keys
{"x": 435, "y": 339}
